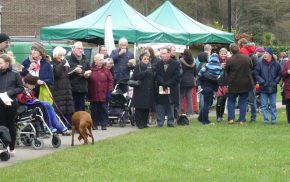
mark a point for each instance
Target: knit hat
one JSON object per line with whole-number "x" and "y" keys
{"x": 39, "y": 47}
{"x": 270, "y": 51}
{"x": 214, "y": 58}
{"x": 4, "y": 37}
{"x": 260, "y": 49}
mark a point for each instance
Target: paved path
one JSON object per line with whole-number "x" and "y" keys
{"x": 27, "y": 153}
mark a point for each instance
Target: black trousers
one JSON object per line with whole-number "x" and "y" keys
{"x": 288, "y": 112}
{"x": 7, "y": 118}
{"x": 141, "y": 117}
{"x": 220, "y": 105}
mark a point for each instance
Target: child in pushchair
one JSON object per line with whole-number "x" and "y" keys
{"x": 119, "y": 108}
{"x": 5, "y": 139}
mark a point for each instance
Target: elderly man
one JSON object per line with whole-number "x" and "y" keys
{"x": 104, "y": 50}
{"x": 78, "y": 65}
{"x": 168, "y": 77}
{"x": 121, "y": 57}
{"x": 268, "y": 75}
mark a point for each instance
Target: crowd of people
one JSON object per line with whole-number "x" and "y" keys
{"x": 169, "y": 86}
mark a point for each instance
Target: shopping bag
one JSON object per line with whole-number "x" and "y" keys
{"x": 45, "y": 94}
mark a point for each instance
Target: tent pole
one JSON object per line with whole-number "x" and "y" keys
{"x": 135, "y": 49}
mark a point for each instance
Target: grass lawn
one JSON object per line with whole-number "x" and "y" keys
{"x": 220, "y": 152}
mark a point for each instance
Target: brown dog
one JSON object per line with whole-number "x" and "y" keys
{"x": 82, "y": 122}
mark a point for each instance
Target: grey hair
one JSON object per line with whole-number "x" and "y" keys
{"x": 58, "y": 50}
{"x": 123, "y": 41}
{"x": 207, "y": 47}
{"x": 99, "y": 57}
{"x": 223, "y": 49}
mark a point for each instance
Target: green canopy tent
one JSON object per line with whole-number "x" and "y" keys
{"x": 126, "y": 22}
{"x": 170, "y": 16}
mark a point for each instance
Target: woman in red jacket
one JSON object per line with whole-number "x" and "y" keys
{"x": 100, "y": 89}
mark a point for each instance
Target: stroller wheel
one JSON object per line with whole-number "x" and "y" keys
{"x": 37, "y": 144}
{"x": 122, "y": 122}
{"x": 132, "y": 120}
{"x": 56, "y": 141}
{"x": 4, "y": 156}
{"x": 25, "y": 140}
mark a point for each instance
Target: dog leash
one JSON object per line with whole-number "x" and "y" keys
{"x": 62, "y": 115}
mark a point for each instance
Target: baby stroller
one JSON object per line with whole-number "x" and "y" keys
{"x": 119, "y": 110}
{"x": 32, "y": 128}
{"x": 5, "y": 139}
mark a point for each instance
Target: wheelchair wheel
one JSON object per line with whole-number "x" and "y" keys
{"x": 37, "y": 144}
{"x": 25, "y": 140}
{"x": 4, "y": 156}
{"x": 55, "y": 141}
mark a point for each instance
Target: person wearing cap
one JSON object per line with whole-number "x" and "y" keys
{"x": 78, "y": 66}
{"x": 240, "y": 82}
{"x": 208, "y": 78}
{"x": 39, "y": 65}
{"x": 260, "y": 52}
{"x": 4, "y": 42}
{"x": 11, "y": 84}
{"x": 268, "y": 75}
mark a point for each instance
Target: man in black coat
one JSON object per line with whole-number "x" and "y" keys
{"x": 79, "y": 84}
{"x": 168, "y": 77}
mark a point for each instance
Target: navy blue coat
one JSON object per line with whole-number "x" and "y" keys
{"x": 268, "y": 75}
{"x": 45, "y": 72}
{"x": 121, "y": 69}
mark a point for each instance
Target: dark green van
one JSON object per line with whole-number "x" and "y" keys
{"x": 21, "y": 49}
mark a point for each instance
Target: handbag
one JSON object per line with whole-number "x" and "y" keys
{"x": 134, "y": 83}
{"x": 45, "y": 94}
{"x": 222, "y": 90}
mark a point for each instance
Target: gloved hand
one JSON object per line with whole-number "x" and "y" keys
{"x": 109, "y": 96}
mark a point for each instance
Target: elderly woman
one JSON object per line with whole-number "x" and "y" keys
{"x": 143, "y": 96}
{"x": 11, "y": 84}
{"x": 38, "y": 63}
{"x": 100, "y": 89}
{"x": 61, "y": 89}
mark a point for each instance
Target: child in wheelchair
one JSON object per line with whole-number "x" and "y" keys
{"x": 27, "y": 98}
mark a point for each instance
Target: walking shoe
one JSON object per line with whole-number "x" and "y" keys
{"x": 103, "y": 127}
{"x": 231, "y": 122}
{"x": 12, "y": 153}
{"x": 242, "y": 123}
{"x": 209, "y": 124}
{"x": 170, "y": 125}
{"x": 220, "y": 119}
{"x": 159, "y": 126}
{"x": 53, "y": 130}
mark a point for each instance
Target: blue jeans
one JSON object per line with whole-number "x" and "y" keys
{"x": 232, "y": 97}
{"x": 207, "y": 94}
{"x": 99, "y": 112}
{"x": 253, "y": 104}
{"x": 162, "y": 110}
{"x": 265, "y": 106}
{"x": 53, "y": 121}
